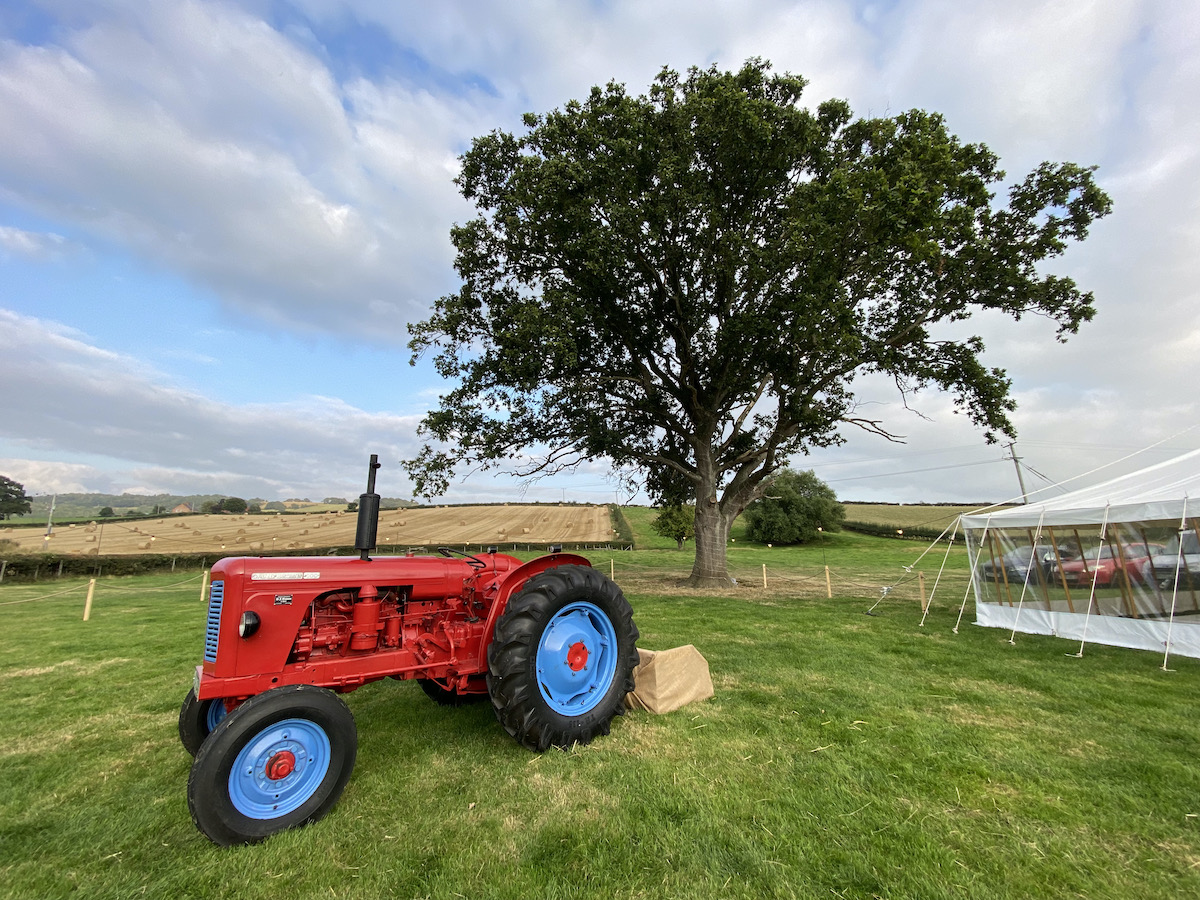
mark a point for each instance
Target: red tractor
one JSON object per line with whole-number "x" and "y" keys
{"x": 551, "y": 643}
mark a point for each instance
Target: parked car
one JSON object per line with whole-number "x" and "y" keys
{"x": 1016, "y": 563}
{"x": 1109, "y": 567}
{"x": 1160, "y": 568}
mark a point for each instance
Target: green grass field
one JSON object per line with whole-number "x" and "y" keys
{"x": 907, "y": 515}
{"x": 844, "y": 755}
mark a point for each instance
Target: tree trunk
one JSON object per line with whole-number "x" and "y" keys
{"x": 712, "y": 534}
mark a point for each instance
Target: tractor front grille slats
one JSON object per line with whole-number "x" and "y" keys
{"x": 216, "y": 597}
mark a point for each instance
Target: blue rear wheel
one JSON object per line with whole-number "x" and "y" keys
{"x": 577, "y": 659}
{"x": 561, "y": 659}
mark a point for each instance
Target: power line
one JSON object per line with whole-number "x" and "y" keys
{"x": 985, "y": 462}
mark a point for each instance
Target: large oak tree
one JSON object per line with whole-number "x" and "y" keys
{"x": 690, "y": 282}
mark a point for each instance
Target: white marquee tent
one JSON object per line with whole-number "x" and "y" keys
{"x": 1116, "y": 563}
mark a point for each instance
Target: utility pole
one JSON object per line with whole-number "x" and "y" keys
{"x": 1012, "y": 447}
{"x": 49, "y": 523}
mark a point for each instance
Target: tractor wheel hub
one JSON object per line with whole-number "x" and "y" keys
{"x": 281, "y": 765}
{"x": 577, "y": 656}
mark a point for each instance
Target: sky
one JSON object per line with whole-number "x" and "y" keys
{"x": 218, "y": 218}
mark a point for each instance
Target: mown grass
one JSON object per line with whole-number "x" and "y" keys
{"x": 844, "y": 755}
{"x": 908, "y": 515}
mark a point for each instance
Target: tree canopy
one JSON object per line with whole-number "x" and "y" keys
{"x": 688, "y": 283}
{"x": 677, "y": 522}
{"x": 795, "y": 509}
{"x": 13, "y": 500}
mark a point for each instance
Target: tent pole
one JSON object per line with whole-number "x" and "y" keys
{"x": 938, "y": 580}
{"x": 1003, "y": 572}
{"x": 1191, "y": 584}
{"x": 1121, "y": 578}
{"x": 1175, "y": 591}
{"x": 974, "y": 572}
{"x": 1033, "y": 561}
{"x": 1095, "y": 571}
{"x": 1041, "y": 575}
{"x": 1061, "y": 575}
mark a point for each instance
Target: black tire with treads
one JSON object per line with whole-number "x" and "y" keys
{"x": 562, "y": 657}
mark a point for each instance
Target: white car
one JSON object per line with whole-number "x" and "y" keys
{"x": 1160, "y": 569}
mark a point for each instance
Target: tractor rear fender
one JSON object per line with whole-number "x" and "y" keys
{"x": 512, "y": 581}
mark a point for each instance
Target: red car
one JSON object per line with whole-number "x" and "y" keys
{"x": 1109, "y": 569}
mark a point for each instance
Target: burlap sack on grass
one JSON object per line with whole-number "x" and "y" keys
{"x": 665, "y": 680}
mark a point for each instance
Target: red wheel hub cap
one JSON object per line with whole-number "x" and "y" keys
{"x": 281, "y": 765}
{"x": 577, "y": 656}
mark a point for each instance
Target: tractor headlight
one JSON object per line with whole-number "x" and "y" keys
{"x": 249, "y": 624}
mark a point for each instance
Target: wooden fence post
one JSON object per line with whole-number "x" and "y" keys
{"x": 87, "y": 606}
{"x": 764, "y": 576}
{"x": 828, "y": 584}
{"x": 204, "y": 587}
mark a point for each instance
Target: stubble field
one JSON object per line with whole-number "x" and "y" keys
{"x": 245, "y": 534}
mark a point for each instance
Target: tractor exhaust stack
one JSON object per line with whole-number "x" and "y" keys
{"x": 368, "y": 515}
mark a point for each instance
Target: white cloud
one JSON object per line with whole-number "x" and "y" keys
{"x": 202, "y": 140}
{"x": 215, "y": 145}
{"x": 33, "y": 245}
{"x": 66, "y": 396}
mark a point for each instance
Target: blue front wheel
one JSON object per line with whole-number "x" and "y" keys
{"x": 197, "y": 720}
{"x": 278, "y": 761}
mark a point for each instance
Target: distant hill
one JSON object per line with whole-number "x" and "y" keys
{"x": 69, "y": 507}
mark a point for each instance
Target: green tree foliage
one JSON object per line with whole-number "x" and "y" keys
{"x": 106, "y": 512}
{"x": 796, "y": 507}
{"x": 224, "y": 505}
{"x": 690, "y": 282}
{"x": 677, "y": 522}
{"x": 13, "y": 501}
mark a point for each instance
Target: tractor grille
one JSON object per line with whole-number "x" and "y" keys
{"x": 216, "y": 596}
